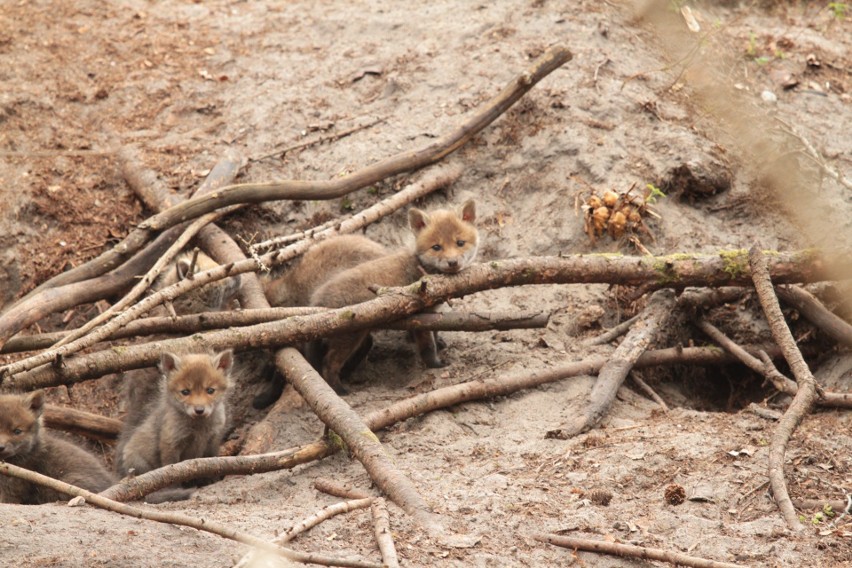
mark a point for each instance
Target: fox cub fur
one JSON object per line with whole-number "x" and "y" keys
{"x": 26, "y": 443}
{"x": 187, "y": 420}
{"x": 446, "y": 242}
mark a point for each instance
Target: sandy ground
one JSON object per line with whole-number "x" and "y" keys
{"x": 186, "y": 81}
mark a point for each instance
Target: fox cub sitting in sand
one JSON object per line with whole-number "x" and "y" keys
{"x": 187, "y": 420}
{"x": 26, "y": 443}
{"x": 446, "y": 242}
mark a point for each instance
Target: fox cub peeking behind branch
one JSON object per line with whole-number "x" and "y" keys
{"x": 24, "y": 442}
{"x": 187, "y": 420}
{"x": 445, "y": 243}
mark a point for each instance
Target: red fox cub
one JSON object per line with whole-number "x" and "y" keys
{"x": 321, "y": 262}
{"x": 213, "y": 297}
{"x": 445, "y": 242}
{"x": 25, "y": 443}
{"x": 187, "y": 420}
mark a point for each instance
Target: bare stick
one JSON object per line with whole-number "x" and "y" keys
{"x": 384, "y": 538}
{"x": 83, "y": 423}
{"x": 172, "y": 518}
{"x": 611, "y": 334}
{"x": 631, "y": 551}
{"x": 612, "y": 374}
{"x": 648, "y": 390}
{"x": 141, "y": 485}
{"x": 815, "y": 312}
{"x": 680, "y": 271}
{"x": 322, "y": 139}
{"x": 342, "y": 490}
{"x": 359, "y": 438}
{"x": 805, "y": 396}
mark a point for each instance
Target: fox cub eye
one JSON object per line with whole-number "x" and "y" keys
{"x": 185, "y": 392}
{"x": 17, "y": 431}
{"x": 210, "y": 390}
{"x": 436, "y": 248}
{"x": 459, "y": 243}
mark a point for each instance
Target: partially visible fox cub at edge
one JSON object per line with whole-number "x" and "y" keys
{"x": 187, "y": 420}
{"x": 24, "y": 442}
{"x": 446, "y": 242}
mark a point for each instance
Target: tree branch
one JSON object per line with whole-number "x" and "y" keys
{"x": 631, "y": 551}
{"x": 172, "y": 518}
{"x": 805, "y": 396}
{"x": 816, "y": 313}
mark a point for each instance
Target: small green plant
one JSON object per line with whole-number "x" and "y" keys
{"x": 751, "y": 50}
{"x": 653, "y": 193}
{"x": 838, "y": 9}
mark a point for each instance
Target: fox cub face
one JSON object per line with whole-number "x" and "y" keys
{"x": 19, "y": 423}
{"x": 197, "y": 384}
{"x": 446, "y": 241}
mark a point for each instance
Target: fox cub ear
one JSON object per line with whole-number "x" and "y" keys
{"x": 468, "y": 212}
{"x": 417, "y": 219}
{"x": 35, "y": 401}
{"x": 224, "y": 361}
{"x": 169, "y": 362}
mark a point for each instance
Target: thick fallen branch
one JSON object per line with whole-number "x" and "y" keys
{"x": 679, "y": 271}
{"x": 359, "y": 438}
{"x": 815, "y": 312}
{"x": 206, "y": 321}
{"x": 768, "y": 370}
{"x": 631, "y": 551}
{"x": 612, "y": 375}
{"x": 806, "y": 395}
{"x": 139, "y": 486}
{"x": 83, "y": 423}
{"x": 172, "y": 518}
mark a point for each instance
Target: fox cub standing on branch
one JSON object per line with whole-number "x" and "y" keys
{"x": 24, "y": 442}
{"x": 187, "y": 420}
{"x": 445, "y": 243}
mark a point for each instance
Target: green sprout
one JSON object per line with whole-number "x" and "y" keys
{"x": 654, "y": 193}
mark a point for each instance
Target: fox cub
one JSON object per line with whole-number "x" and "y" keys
{"x": 26, "y": 443}
{"x": 213, "y": 297}
{"x": 446, "y": 242}
{"x": 321, "y": 262}
{"x": 187, "y": 420}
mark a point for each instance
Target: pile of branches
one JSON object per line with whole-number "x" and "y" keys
{"x": 675, "y": 284}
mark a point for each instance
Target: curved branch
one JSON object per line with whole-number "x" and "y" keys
{"x": 806, "y": 395}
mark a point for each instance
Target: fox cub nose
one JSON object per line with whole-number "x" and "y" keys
{"x": 453, "y": 263}
{"x": 199, "y": 410}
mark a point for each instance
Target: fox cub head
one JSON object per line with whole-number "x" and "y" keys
{"x": 447, "y": 240}
{"x": 19, "y": 423}
{"x": 197, "y": 384}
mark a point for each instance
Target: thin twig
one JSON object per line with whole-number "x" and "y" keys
{"x": 815, "y": 312}
{"x": 648, "y": 390}
{"x": 631, "y": 551}
{"x": 611, "y": 334}
{"x": 805, "y": 396}
{"x": 172, "y": 518}
{"x": 384, "y": 538}
{"x": 322, "y": 139}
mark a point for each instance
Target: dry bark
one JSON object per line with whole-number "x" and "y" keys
{"x": 612, "y": 375}
{"x": 816, "y": 313}
{"x": 806, "y": 395}
{"x": 680, "y": 271}
{"x": 342, "y": 490}
{"x": 384, "y": 538}
{"x": 83, "y": 423}
{"x": 358, "y": 436}
{"x": 205, "y": 525}
{"x": 631, "y": 551}
{"x": 139, "y": 486}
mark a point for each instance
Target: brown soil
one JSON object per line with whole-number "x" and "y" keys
{"x": 184, "y": 81}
